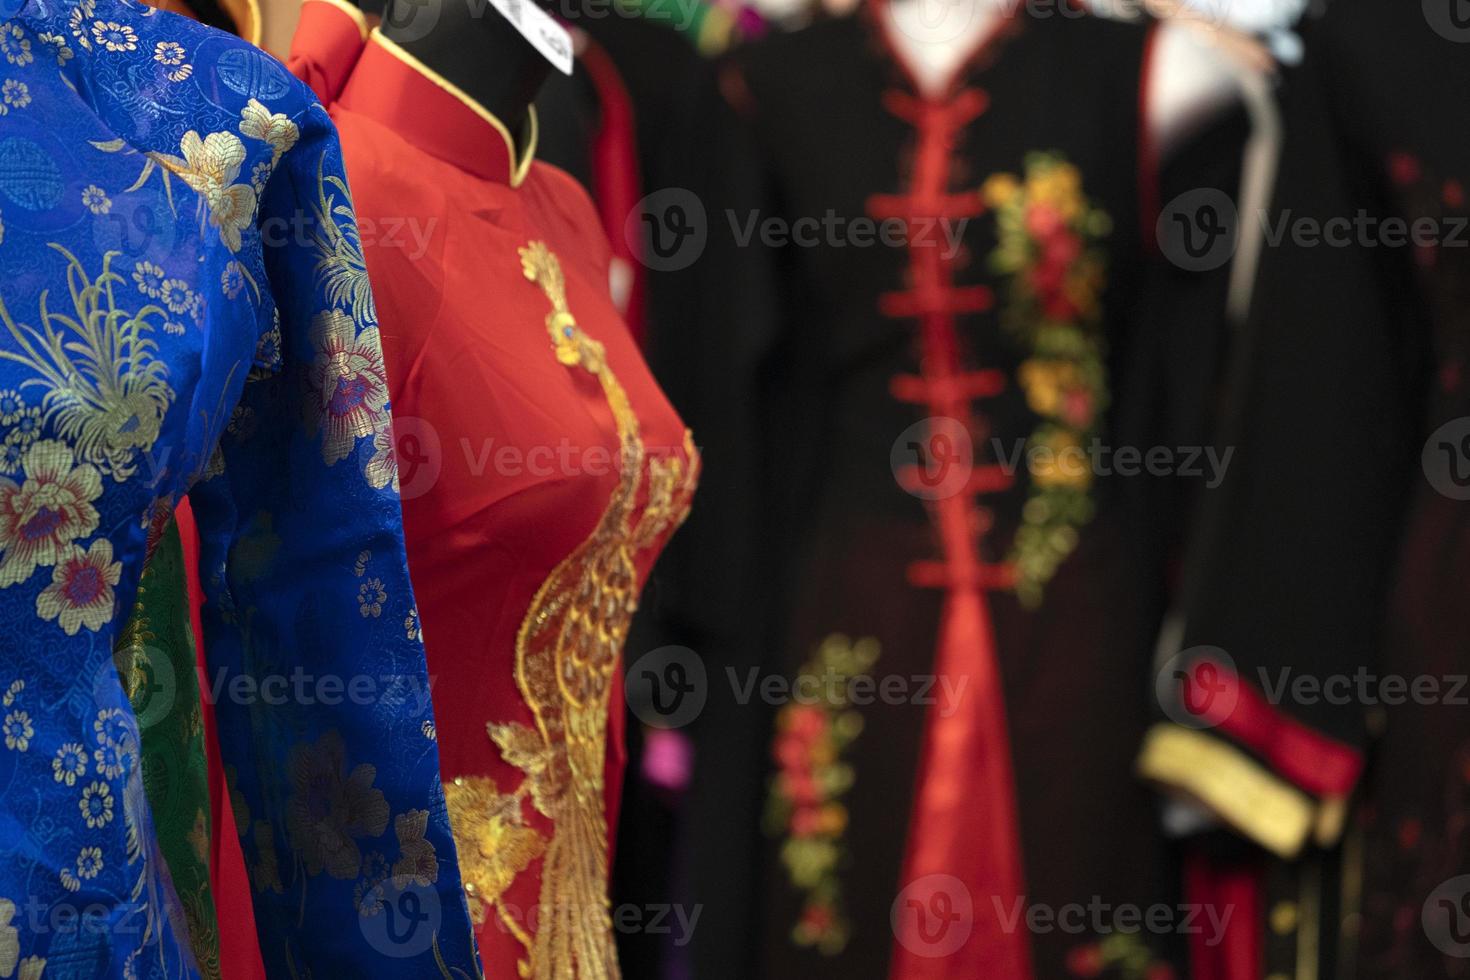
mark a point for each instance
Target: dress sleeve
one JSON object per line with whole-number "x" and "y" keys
{"x": 315, "y": 663}
{"x": 1288, "y": 574}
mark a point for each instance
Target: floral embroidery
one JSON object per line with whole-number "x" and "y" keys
{"x": 805, "y": 804}
{"x": 58, "y": 46}
{"x": 1047, "y": 235}
{"x": 104, "y": 389}
{"x": 11, "y": 405}
{"x": 70, "y": 763}
{"x": 31, "y": 968}
{"x": 176, "y": 295}
{"x": 15, "y": 45}
{"x": 89, "y": 862}
{"x": 328, "y": 811}
{"x": 417, "y": 862}
{"x": 15, "y": 95}
{"x": 232, "y": 280}
{"x": 148, "y": 277}
{"x": 411, "y": 628}
{"x": 493, "y": 841}
{"x": 42, "y": 517}
{"x": 114, "y": 36}
{"x": 96, "y": 200}
{"x": 257, "y": 123}
{"x": 1122, "y": 955}
{"x": 18, "y": 731}
{"x": 370, "y": 598}
{"x": 168, "y": 53}
{"x": 382, "y": 469}
{"x": 96, "y": 805}
{"x": 348, "y": 381}
{"x": 210, "y": 166}
{"x": 81, "y": 589}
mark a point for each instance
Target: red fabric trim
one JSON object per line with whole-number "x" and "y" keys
{"x": 1238, "y": 887}
{"x": 916, "y": 389}
{"x": 963, "y": 855}
{"x": 926, "y": 301}
{"x": 1148, "y": 151}
{"x": 1314, "y": 762}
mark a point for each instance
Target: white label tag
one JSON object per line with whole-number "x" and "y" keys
{"x": 541, "y": 29}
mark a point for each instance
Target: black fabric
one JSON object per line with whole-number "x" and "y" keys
{"x": 782, "y": 367}
{"x": 1331, "y": 550}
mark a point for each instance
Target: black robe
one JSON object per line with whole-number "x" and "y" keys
{"x": 796, "y": 368}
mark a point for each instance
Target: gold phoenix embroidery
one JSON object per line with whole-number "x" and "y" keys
{"x": 567, "y": 648}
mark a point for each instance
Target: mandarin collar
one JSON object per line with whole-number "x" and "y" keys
{"x": 392, "y": 86}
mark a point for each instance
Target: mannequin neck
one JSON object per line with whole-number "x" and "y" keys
{"x": 935, "y": 38}
{"x": 485, "y": 56}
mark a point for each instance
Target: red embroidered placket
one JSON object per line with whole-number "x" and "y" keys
{"x": 962, "y": 871}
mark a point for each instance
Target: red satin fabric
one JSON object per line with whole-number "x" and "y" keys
{"x": 508, "y": 458}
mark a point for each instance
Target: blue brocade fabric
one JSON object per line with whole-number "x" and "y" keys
{"x": 185, "y": 310}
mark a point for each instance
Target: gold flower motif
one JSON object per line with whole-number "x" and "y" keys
{"x": 81, "y": 589}
{"x": 149, "y": 279}
{"x": 42, "y": 517}
{"x": 176, "y": 295}
{"x": 348, "y": 381}
{"x": 17, "y": 50}
{"x": 210, "y": 166}
{"x": 382, "y": 469}
{"x": 491, "y": 836}
{"x": 89, "y": 862}
{"x": 16, "y": 94}
{"x": 18, "y": 731}
{"x": 57, "y": 43}
{"x": 232, "y": 280}
{"x": 370, "y": 598}
{"x": 11, "y": 405}
{"x": 95, "y": 199}
{"x": 327, "y": 811}
{"x": 168, "y": 53}
{"x": 417, "y": 862}
{"x": 96, "y": 805}
{"x": 30, "y": 968}
{"x": 114, "y": 36}
{"x": 70, "y": 763}
{"x": 258, "y": 123}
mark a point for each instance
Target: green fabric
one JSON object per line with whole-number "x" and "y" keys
{"x": 155, "y": 657}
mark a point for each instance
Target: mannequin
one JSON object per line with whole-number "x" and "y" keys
{"x": 483, "y": 54}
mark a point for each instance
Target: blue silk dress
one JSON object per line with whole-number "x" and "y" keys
{"x": 184, "y": 309}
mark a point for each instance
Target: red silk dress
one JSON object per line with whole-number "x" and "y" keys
{"x": 541, "y": 470}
